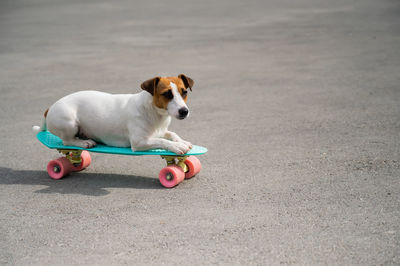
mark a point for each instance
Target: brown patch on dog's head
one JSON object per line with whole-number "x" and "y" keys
{"x": 162, "y": 94}
{"x": 150, "y": 85}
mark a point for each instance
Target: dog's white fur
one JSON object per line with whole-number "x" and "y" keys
{"x": 177, "y": 102}
{"x": 122, "y": 120}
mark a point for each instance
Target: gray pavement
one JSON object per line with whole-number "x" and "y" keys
{"x": 297, "y": 101}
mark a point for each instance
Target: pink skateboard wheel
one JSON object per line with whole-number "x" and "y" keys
{"x": 194, "y": 165}
{"x": 86, "y": 160}
{"x": 59, "y": 168}
{"x": 171, "y": 176}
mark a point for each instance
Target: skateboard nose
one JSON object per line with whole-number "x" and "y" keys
{"x": 183, "y": 112}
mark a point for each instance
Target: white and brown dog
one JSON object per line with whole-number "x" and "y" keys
{"x": 139, "y": 121}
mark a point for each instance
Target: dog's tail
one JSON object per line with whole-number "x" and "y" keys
{"x": 37, "y": 129}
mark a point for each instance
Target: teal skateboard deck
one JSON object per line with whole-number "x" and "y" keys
{"x": 53, "y": 142}
{"x": 179, "y": 166}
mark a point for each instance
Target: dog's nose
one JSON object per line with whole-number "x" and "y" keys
{"x": 183, "y": 112}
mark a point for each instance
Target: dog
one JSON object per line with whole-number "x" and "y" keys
{"x": 139, "y": 121}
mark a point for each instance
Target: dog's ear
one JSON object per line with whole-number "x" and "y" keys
{"x": 150, "y": 85}
{"x": 187, "y": 81}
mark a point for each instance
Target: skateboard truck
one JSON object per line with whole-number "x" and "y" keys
{"x": 74, "y": 156}
{"x": 176, "y": 160}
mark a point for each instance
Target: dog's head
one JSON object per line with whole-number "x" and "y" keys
{"x": 170, "y": 94}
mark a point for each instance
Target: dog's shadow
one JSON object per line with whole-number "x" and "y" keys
{"x": 91, "y": 184}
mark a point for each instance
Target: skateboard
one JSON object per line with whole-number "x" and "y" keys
{"x": 74, "y": 159}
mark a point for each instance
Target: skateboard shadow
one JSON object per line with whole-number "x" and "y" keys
{"x": 91, "y": 184}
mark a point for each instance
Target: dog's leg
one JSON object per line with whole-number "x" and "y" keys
{"x": 174, "y": 137}
{"x": 67, "y": 130}
{"x": 159, "y": 143}
{"x": 68, "y": 135}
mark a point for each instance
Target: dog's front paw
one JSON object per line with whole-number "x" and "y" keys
{"x": 188, "y": 144}
{"x": 180, "y": 148}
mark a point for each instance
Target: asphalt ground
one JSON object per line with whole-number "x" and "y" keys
{"x": 297, "y": 102}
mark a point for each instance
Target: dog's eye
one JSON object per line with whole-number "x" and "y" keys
{"x": 168, "y": 94}
{"x": 184, "y": 93}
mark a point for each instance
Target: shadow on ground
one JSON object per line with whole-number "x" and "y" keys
{"x": 91, "y": 184}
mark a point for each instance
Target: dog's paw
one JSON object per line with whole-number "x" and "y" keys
{"x": 188, "y": 144}
{"x": 180, "y": 148}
